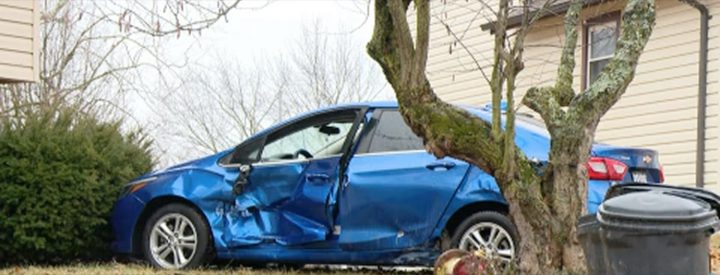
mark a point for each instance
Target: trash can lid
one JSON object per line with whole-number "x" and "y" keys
{"x": 656, "y": 211}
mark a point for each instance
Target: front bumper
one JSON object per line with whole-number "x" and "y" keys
{"x": 125, "y": 216}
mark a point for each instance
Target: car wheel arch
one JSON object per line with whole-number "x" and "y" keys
{"x": 468, "y": 210}
{"x": 152, "y": 206}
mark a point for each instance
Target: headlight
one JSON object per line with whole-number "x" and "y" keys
{"x": 136, "y": 185}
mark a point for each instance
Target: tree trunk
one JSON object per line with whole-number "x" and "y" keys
{"x": 569, "y": 196}
{"x": 544, "y": 209}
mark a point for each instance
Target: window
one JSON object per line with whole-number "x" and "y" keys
{"x": 245, "y": 154}
{"x": 392, "y": 134}
{"x": 600, "y": 39}
{"x": 321, "y": 140}
{"x": 314, "y": 138}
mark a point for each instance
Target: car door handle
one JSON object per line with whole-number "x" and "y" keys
{"x": 435, "y": 166}
{"x": 317, "y": 178}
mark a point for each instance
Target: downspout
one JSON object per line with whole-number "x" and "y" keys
{"x": 702, "y": 91}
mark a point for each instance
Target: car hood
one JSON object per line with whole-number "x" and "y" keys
{"x": 204, "y": 163}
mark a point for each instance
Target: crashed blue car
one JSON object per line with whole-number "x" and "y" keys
{"x": 348, "y": 184}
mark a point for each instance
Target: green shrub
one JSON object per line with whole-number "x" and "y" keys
{"x": 60, "y": 174}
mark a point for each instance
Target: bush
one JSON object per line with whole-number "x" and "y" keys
{"x": 60, "y": 174}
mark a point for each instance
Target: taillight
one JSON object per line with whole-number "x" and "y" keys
{"x": 661, "y": 174}
{"x": 606, "y": 169}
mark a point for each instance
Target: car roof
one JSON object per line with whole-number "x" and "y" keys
{"x": 380, "y": 104}
{"x": 344, "y": 106}
{"x": 369, "y": 104}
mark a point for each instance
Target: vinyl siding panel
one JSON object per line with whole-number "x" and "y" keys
{"x": 712, "y": 175}
{"x": 18, "y": 40}
{"x": 14, "y": 73}
{"x": 659, "y": 109}
{"x": 19, "y": 4}
{"x": 454, "y": 74}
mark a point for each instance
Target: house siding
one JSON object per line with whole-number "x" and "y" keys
{"x": 658, "y": 110}
{"x": 19, "y": 40}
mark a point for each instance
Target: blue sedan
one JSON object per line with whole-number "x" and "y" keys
{"x": 348, "y": 184}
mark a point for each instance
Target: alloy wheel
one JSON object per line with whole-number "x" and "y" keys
{"x": 491, "y": 238}
{"x": 173, "y": 241}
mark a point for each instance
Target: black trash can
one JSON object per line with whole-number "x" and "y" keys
{"x": 649, "y": 233}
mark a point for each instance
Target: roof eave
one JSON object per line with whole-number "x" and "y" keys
{"x": 554, "y": 10}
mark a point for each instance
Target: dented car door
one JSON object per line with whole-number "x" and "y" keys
{"x": 284, "y": 198}
{"x": 395, "y": 192}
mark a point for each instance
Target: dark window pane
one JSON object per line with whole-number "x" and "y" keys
{"x": 595, "y": 68}
{"x": 393, "y": 134}
{"x": 247, "y": 154}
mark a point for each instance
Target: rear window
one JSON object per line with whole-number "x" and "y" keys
{"x": 392, "y": 134}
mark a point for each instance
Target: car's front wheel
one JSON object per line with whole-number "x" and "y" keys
{"x": 176, "y": 237}
{"x": 490, "y": 232}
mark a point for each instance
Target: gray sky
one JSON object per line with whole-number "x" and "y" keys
{"x": 265, "y": 28}
{"x": 259, "y": 30}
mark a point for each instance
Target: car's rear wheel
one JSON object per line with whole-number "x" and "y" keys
{"x": 491, "y": 232}
{"x": 176, "y": 237}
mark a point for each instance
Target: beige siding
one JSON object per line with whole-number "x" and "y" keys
{"x": 18, "y": 40}
{"x": 454, "y": 74}
{"x": 659, "y": 109}
{"x": 712, "y": 163}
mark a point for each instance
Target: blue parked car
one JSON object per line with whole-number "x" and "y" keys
{"x": 344, "y": 185}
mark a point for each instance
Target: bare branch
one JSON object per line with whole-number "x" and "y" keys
{"x": 403, "y": 37}
{"x": 422, "y": 40}
{"x": 465, "y": 48}
{"x": 637, "y": 23}
{"x": 176, "y": 16}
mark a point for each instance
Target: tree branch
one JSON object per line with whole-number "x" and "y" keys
{"x": 547, "y": 101}
{"x": 401, "y": 31}
{"x": 497, "y": 75}
{"x": 422, "y": 40}
{"x": 563, "y": 91}
{"x": 637, "y": 24}
{"x": 542, "y": 101}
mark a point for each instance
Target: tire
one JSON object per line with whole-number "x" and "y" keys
{"x": 169, "y": 232}
{"x": 503, "y": 244}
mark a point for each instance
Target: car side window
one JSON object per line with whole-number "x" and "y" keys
{"x": 309, "y": 139}
{"x": 245, "y": 154}
{"x": 392, "y": 134}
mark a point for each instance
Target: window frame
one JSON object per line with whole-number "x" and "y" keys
{"x": 603, "y": 19}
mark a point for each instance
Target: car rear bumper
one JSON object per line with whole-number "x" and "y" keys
{"x": 597, "y": 189}
{"x": 125, "y": 215}
{"x": 596, "y": 192}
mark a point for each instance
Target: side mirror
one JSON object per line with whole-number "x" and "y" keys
{"x": 245, "y": 170}
{"x": 242, "y": 179}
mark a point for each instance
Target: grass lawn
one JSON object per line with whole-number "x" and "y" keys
{"x": 118, "y": 268}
